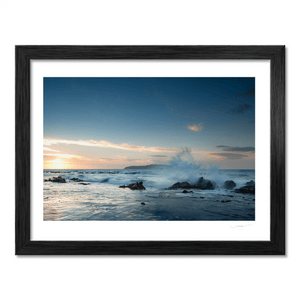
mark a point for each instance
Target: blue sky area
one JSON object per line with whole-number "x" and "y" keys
{"x": 155, "y": 113}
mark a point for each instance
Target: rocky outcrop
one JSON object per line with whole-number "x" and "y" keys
{"x": 56, "y": 179}
{"x": 229, "y": 185}
{"x": 205, "y": 184}
{"x": 180, "y": 185}
{"x": 134, "y": 186}
{"x": 202, "y": 184}
{"x": 250, "y": 183}
{"x": 186, "y": 192}
{"x": 84, "y": 183}
{"x": 76, "y": 179}
{"x": 249, "y": 188}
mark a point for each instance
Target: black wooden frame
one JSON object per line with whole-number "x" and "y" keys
{"x": 276, "y": 245}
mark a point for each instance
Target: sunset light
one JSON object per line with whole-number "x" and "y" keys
{"x": 55, "y": 164}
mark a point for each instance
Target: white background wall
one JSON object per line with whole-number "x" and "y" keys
{"x": 174, "y": 22}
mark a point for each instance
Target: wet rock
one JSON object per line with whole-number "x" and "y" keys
{"x": 229, "y": 185}
{"x": 250, "y": 183}
{"x": 181, "y": 185}
{"x": 134, "y": 186}
{"x": 186, "y": 192}
{"x": 76, "y": 179}
{"x": 224, "y": 201}
{"x": 56, "y": 179}
{"x": 205, "y": 184}
{"x": 84, "y": 183}
{"x": 246, "y": 190}
{"x": 202, "y": 184}
{"x": 143, "y": 203}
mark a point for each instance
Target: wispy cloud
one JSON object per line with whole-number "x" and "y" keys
{"x": 63, "y": 155}
{"x": 227, "y": 155}
{"x": 195, "y": 127}
{"x": 242, "y": 108}
{"x": 155, "y": 155}
{"x": 106, "y": 144}
{"x": 48, "y": 149}
{"x": 250, "y": 92}
{"x": 236, "y": 149}
{"x": 222, "y": 146}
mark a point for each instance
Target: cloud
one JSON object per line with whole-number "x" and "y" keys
{"x": 222, "y": 146}
{"x": 237, "y": 149}
{"x": 250, "y": 92}
{"x": 155, "y": 155}
{"x": 222, "y": 156}
{"x": 196, "y": 127}
{"x": 106, "y": 144}
{"x": 242, "y": 108}
{"x": 48, "y": 149}
{"x": 63, "y": 155}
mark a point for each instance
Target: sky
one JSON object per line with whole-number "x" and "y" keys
{"x": 112, "y": 123}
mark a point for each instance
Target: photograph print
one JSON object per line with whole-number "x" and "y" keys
{"x": 149, "y": 149}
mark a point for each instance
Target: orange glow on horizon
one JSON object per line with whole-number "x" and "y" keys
{"x": 55, "y": 164}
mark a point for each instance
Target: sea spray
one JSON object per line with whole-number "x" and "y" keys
{"x": 183, "y": 168}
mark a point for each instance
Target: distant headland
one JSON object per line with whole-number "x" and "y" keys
{"x": 153, "y": 166}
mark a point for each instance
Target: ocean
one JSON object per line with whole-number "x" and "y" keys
{"x": 102, "y": 199}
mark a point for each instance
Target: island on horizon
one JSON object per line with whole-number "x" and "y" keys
{"x": 152, "y": 166}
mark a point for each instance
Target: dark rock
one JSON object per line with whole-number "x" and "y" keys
{"x": 186, "y": 192}
{"x": 56, "y": 179}
{"x": 230, "y": 196}
{"x": 250, "y": 183}
{"x": 76, "y": 179}
{"x": 229, "y": 185}
{"x": 181, "y": 185}
{"x": 84, "y": 183}
{"x": 134, "y": 186}
{"x": 246, "y": 190}
{"x": 133, "y": 173}
{"x": 205, "y": 184}
{"x": 143, "y": 203}
{"x": 202, "y": 184}
{"x": 226, "y": 201}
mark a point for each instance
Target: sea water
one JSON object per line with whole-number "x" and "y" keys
{"x": 102, "y": 199}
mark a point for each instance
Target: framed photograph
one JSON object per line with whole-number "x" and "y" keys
{"x": 150, "y": 150}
